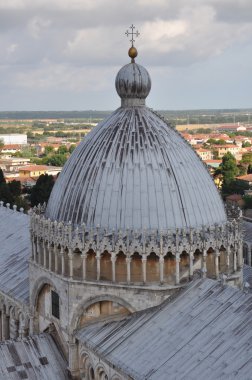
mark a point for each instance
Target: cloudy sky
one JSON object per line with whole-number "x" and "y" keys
{"x": 64, "y": 54}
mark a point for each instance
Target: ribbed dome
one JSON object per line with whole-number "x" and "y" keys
{"x": 135, "y": 171}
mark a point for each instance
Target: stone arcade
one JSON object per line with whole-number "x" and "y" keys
{"x": 133, "y": 217}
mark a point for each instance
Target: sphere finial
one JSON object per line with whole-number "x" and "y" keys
{"x": 132, "y": 51}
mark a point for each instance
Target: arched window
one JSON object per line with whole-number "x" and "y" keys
{"x": 55, "y": 304}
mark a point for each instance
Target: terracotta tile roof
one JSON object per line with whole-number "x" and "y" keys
{"x": 32, "y": 168}
{"x": 234, "y": 197}
{"x": 226, "y": 146}
{"x": 11, "y": 146}
{"x": 247, "y": 177}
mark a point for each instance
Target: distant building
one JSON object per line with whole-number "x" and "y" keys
{"x": 14, "y": 138}
{"x": 204, "y": 154}
{"x": 13, "y": 164}
{"x": 235, "y": 199}
{"x": 40, "y": 148}
{"x": 245, "y": 178}
{"x": 10, "y": 149}
{"x": 232, "y": 128}
{"x": 223, "y": 149}
{"x": 36, "y": 170}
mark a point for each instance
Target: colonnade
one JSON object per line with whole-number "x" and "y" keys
{"x": 12, "y": 324}
{"x": 135, "y": 268}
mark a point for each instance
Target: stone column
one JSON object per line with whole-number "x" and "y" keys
{"x": 21, "y": 331}
{"x": 33, "y": 250}
{"x": 62, "y": 254}
{"x": 84, "y": 266}
{"x": 7, "y": 331}
{"x": 49, "y": 256}
{"x": 5, "y": 326}
{"x": 37, "y": 251}
{"x": 70, "y": 259}
{"x": 55, "y": 250}
{"x": 144, "y": 259}
{"x": 191, "y": 257}
{"x": 31, "y": 325}
{"x": 73, "y": 367}
{"x": 216, "y": 258}
{"x": 177, "y": 270}
{"x": 235, "y": 260}
{"x": 44, "y": 254}
{"x": 240, "y": 255}
{"x": 161, "y": 269}
{"x": 204, "y": 266}
{"x": 249, "y": 254}
{"x": 228, "y": 260}
{"x": 113, "y": 261}
{"x": 98, "y": 266}
{"x": 128, "y": 261}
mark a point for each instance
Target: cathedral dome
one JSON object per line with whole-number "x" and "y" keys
{"x": 134, "y": 171}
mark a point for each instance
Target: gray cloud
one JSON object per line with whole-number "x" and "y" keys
{"x": 76, "y": 44}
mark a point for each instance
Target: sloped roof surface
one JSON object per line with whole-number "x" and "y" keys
{"x": 247, "y": 231}
{"x": 15, "y": 250}
{"x": 134, "y": 171}
{"x": 205, "y": 333}
{"x": 35, "y": 358}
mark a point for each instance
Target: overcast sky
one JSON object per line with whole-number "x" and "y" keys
{"x": 65, "y": 54}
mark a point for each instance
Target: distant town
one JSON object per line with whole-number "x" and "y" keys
{"x": 34, "y": 146}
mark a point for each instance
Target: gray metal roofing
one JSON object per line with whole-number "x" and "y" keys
{"x": 35, "y": 357}
{"x": 247, "y": 229}
{"x": 247, "y": 275}
{"x": 133, "y": 81}
{"x": 134, "y": 171}
{"x": 15, "y": 250}
{"x": 206, "y": 332}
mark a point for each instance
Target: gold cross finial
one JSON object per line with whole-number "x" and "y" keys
{"x": 132, "y": 34}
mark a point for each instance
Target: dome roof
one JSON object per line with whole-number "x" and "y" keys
{"x": 133, "y": 82}
{"x": 134, "y": 171}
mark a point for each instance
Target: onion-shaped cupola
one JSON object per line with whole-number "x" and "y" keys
{"x": 133, "y": 82}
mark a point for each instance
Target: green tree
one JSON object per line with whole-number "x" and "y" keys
{"x": 62, "y": 149}
{"x": 2, "y": 179}
{"x": 26, "y": 152}
{"x": 15, "y": 188}
{"x": 229, "y": 171}
{"x": 42, "y": 189}
{"x": 48, "y": 149}
{"x": 5, "y": 194}
{"x": 55, "y": 159}
{"x": 71, "y": 148}
{"x": 246, "y": 144}
{"x": 246, "y": 158}
{"x": 247, "y": 201}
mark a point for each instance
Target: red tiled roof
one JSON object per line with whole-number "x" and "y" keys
{"x": 11, "y": 146}
{"x": 202, "y": 150}
{"x": 234, "y": 197}
{"x": 32, "y": 168}
{"x": 226, "y": 146}
{"x": 247, "y": 177}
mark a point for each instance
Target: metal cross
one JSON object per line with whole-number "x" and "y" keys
{"x": 132, "y": 34}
